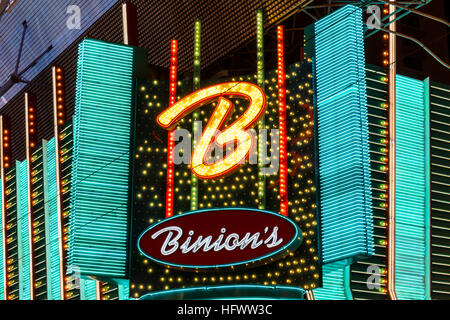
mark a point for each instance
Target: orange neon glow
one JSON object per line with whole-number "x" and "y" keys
{"x": 235, "y": 132}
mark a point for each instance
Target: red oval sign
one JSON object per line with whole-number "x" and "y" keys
{"x": 220, "y": 238}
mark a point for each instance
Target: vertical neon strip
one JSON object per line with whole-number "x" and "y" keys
{"x": 309, "y": 295}
{"x": 392, "y": 147}
{"x": 30, "y": 106}
{"x": 20, "y": 235}
{"x": 3, "y": 225}
{"x": 195, "y": 116}
{"x": 58, "y": 108}
{"x": 282, "y": 121}
{"x": 261, "y": 124}
{"x": 427, "y": 190}
{"x": 171, "y": 143}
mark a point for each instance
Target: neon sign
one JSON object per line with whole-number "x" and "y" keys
{"x": 235, "y": 132}
{"x": 217, "y": 238}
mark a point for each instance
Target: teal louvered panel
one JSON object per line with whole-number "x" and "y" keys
{"x": 43, "y": 31}
{"x": 51, "y": 217}
{"x": 124, "y": 291}
{"x": 346, "y": 220}
{"x": 2, "y": 272}
{"x": 336, "y": 282}
{"x": 88, "y": 289}
{"x": 22, "y": 228}
{"x": 102, "y": 127}
{"x": 412, "y": 190}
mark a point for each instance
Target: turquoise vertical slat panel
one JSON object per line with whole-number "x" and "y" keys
{"x": 346, "y": 221}
{"x": 2, "y": 285}
{"x": 101, "y": 159}
{"x": 51, "y": 215}
{"x": 22, "y": 229}
{"x": 440, "y": 190}
{"x": 48, "y": 252}
{"x": 412, "y": 190}
{"x": 336, "y": 282}
{"x": 124, "y": 291}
